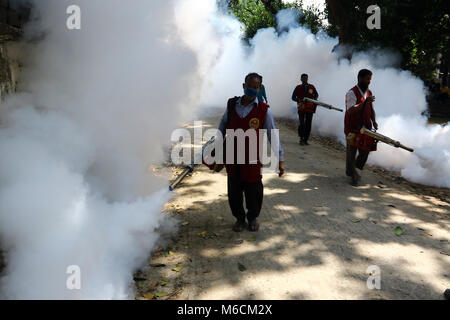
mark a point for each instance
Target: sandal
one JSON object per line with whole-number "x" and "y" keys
{"x": 253, "y": 226}
{"x": 239, "y": 226}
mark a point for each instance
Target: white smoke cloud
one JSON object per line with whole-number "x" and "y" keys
{"x": 281, "y": 58}
{"x": 287, "y": 19}
{"x": 320, "y": 5}
{"x": 96, "y": 106}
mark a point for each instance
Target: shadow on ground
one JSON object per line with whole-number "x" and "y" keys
{"x": 318, "y": 236}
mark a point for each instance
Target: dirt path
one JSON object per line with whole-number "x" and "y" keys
{"x": 318, "y": 236}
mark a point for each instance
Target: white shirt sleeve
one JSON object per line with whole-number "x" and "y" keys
{"x": 350, "y": 99}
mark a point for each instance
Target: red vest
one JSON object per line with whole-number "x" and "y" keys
{"x": 309, "y": 107}
{"x": 353, "y": 121}
{"x": 254, "y": 120}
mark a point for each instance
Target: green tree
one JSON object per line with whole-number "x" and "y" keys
{"x": 253, "y": 14}
{"x": 258, "y": 14}
{"x": 418, "y": 30}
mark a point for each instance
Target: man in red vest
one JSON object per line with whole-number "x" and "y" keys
{"x": 306, "y": 110}
{"x": 359, "y": 104}
{"x": 247, "y": 113}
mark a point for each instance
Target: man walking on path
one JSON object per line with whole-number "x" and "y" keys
{"x": 306, "y": 110}
{"x": 247, "y": 113}
{"x": 359, "y": 104}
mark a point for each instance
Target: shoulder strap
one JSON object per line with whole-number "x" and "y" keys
{"x": 356, "y": 92}
{"x": 263, "y": 105}
{"x": 231, "y": 104}
{"x": 369, "y": 93}
{"x": 362, "y": 113}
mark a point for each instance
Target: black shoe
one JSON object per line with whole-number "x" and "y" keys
{"x": 306, "y": 143}
{"x": 447, "y": 294}
{"x": 239, "y": 226}
{"x": 253, "y": 226}
{"x": 301, "y": 142}
{"x": 355, "y": 179}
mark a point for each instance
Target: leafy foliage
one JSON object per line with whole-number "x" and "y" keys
{"x": 253, "y": 14}
{"x": 418, "y": 30}
{"x": 258, "y": 14}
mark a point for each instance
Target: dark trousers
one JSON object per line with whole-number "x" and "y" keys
{"x": 304, "y": 128}
{"x": 253, "y": 198}
{"x": 357, "y": 162}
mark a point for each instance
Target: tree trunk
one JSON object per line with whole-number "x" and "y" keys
{"x": 338, "y": 17}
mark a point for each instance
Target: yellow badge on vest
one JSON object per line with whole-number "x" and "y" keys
{"x": 311, "y": 91}
{"x": 254, "y": 123}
